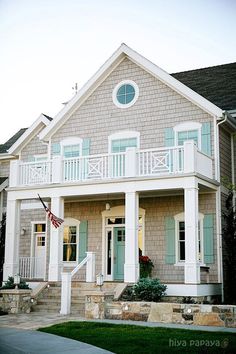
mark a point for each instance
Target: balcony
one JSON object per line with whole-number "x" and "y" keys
{"x": 133, "y": 163}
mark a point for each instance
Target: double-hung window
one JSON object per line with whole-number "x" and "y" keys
{"x": 72, "y": 150}
{"x": 187, "y": 135}
{"x": 70, "y": 243}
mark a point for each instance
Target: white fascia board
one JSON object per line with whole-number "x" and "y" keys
{"x": 107, "y": 68}
{"x": 27, "y": 135}
{"x": 173, "y": 83}
{"x": 6, "y": 156}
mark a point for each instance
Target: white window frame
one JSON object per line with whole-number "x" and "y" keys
{"x": 71, "y": 141}
{"x": 188, "y": 126}
{"x": 71, "y": 222}
{"x": 125, "y": 134}
{"x": 181, "y": 218}
{"x": 114, "y": 94}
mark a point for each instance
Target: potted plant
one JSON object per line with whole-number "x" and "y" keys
{"x": 146, "y": 266}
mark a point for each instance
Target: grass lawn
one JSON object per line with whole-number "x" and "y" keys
{"x": 129, "y": 339}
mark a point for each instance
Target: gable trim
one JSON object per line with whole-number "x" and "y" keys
{"x": 28, "y": 135}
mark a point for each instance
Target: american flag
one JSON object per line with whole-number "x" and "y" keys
{"x": 53, "y": 218}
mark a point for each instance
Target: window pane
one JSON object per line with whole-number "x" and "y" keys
{"x": 69, "y": 253}
{"x": 121, "y": 99}
{"x": 129, "y": 97}
{"x": 182, "y": 251}
{"x": 121, "y": 90}
{"x": 39, "y": 227}
{"x": 130, "y": 89}
{"x": 72, "y": 150}
{"x": 125, "y": 94}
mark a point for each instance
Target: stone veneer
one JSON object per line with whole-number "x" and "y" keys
{"x": 192, "y": 314}
{"x": 15, "y": 300}
{"x": 100, "y": 305}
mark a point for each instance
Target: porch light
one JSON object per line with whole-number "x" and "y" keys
{"x": 108, "y": 207}
{"x": 23, "y": 231}
{"x": 99, "y": 280}
{"x": 17, "y": 281}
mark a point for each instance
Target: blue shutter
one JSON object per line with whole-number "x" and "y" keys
{"x": 206, "y": 138}
{"x": 169, "y": 137}
{"x": 170, "y": 240}
{"x": 83, "y": 239}
{"x": 85, "y": 147}
{"x": 208, "y": 238}
{"x": 31, "y": 158}
{"x": 56, "y": 149}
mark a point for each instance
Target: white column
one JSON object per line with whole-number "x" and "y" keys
{"x": 131, "y": 267}
{"x": 57, "y": 169}
{"x": 14, "y": 173}
{"x": 192, "y": 267}
{"x": 65, "y": 293}
{"x": 11, "y": 264}
{"x": 56, "y": 241}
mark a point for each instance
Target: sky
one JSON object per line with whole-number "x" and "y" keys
{"x": 46, "y": 46}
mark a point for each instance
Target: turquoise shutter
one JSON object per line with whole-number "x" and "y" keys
{"x": 56, "y": 149}
{"x": 169, "y": 137}
{"x": 83, "y": 237}
{"x": 208, "y": 235}
{"x": 206, "y": 138}
{"x": 170, "y": 240}
{"x": 85, "y": 147}
{"x": 31, "y": 159}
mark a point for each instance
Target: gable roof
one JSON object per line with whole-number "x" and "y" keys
{"x": 4, "y": 147}
{"x": 29, "y": 133}
{"x": 122, "y": 52}
{"x": 216, "y": 83}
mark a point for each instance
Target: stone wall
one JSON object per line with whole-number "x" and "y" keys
{"x": 192, "y": 314}
{"x": 15, "y": 300}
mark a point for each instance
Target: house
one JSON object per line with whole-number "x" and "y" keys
{"x": 133, "y": 164}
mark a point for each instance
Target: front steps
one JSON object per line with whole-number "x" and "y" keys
{"x": 49, "y": 299}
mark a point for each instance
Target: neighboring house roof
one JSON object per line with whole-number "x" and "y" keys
{"x": 216, "y": 83}
{"x": 49, "y": 118}
{"x": 121, "y": 53}
{"x": 11, "y": 141}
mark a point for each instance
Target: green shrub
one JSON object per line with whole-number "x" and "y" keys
{"x": 148, "y": 289}
{"x": 9, "y": 284}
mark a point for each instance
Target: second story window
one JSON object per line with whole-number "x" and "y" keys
{"x": 71, "y": 150}
{"x": 188, "y": 135}
{"x": 120, "y": 145}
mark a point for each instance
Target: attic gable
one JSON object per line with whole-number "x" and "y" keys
{"x": 123, "y": 52}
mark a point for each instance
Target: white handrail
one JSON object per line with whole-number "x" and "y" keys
{"x": 66, "y": 277}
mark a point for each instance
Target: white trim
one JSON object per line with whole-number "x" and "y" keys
{"x": 188, "y": 126}
{"x": 4, "y": 184}
{"x": 28, "y": 134}
{"x": 122, "y": 52}
{"x": 181, "y": 218}
{"x": 118, "y": 212}
{"x": 45, "y": 156}
{"x": 71, "y": 222}
{"x": 114, "y": 94}
{"x": 193, "y": 289}
{"x": 33, "y": 243}
{"x": 73, "y": 140}
{"x": 124, "y": 134}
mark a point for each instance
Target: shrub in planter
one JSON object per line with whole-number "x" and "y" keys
{"x": 10, "y": 284}
{"x": 149, "y": 289}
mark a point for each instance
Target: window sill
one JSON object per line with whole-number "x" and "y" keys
{"x": 182, "y": 264}
{"x": 69, "y": 264}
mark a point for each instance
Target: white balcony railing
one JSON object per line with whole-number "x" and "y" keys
{"x": 132, "y": 163}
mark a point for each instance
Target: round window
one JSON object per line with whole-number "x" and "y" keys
{"x": 125, "y": 94}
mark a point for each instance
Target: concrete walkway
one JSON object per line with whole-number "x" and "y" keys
{"x": 14, "y": 341}
{"x": 18, "y": 335}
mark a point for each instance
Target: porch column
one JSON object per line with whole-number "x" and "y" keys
{"x": 56, "y": 241}
{"x": 192, "y": 267}
{"x": 11, "y": 263}
{"x": 131, "y": 267}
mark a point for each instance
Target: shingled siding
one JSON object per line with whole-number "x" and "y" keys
{"x": 157, "y": 108}
{"x": 225, "y": 154}
{"x": 34, "y": 147}
{"x": 155, "y": 211}
{"x": 4, "y": 168}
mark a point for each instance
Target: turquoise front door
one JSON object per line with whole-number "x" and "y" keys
{"x": 119, "y": 253}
